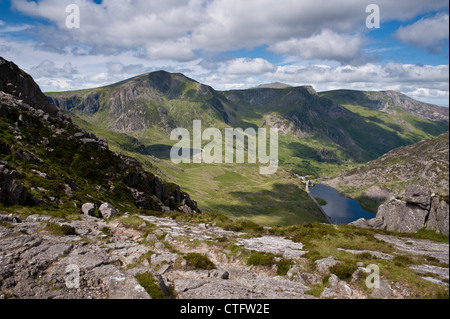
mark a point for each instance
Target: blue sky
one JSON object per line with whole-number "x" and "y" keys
{"x": 233, "y": 44}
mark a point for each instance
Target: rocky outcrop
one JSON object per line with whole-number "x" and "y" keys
{"x": 40, "y": 132}
{"x": 16, "y": 82}
{"x": 12, "y": 192}
{"x": 425, "y": 163}
{"x": 103, "y": 259}
{"x": 419, "y": 209}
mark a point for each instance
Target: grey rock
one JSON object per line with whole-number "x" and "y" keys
{"x": 398, "y": 216}
{"x": 323, "y": 265}
{"x": 443, "y": 273}
{"x": 86, "y": 261}
{"x": 338, "y": 289}
{"x": 122, "y": 286}
{"x": 419, "y": 196}
{"x": 377, "y": 222}
{"x": 438, "y": 219}
{"x": 383, "y": 292}
{"x": 88, "y": 209}
{"x": 160, "y": 246}
{"x": 151, "y": 238}
{"x": 164, "y": 269}
{"x": 108, "y": 211}
{"x": 156, "y": 260}
{"x": 275, "y": 245}
{"x": 419, "y": 247}
{"x": 361, "y": 223}
{"x": 12, "y": 192}
{"x": 10, "y": 219}
{"x": 168, "y": 238}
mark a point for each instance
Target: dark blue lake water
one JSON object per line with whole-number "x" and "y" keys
{"x": 341, "y": 209}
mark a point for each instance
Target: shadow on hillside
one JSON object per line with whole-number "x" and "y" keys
{"x": 163, "y": 151}
{"x": 286, "y": 202}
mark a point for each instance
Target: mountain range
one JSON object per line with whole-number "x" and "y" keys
{"x": 350, "y": 126}
{"x": 321, "y": 134}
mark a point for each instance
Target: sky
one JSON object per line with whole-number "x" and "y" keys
{"x": 233, "y": 44}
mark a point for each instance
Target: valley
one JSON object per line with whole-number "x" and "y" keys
{"x": 320, "y": 136}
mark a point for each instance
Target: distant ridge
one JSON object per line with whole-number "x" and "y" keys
{"x": 275, "y": 85}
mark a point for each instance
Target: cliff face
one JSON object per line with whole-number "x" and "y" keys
{"x": 47, "y": 161}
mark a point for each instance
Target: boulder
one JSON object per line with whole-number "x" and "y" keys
{"x": 361, "y": 223}
{"x": 384, "y": 291}
{"x": 399, "y": 216}
{"x": 108, "y": 211}
{"x": 12, "y": 192}
{"x": 438, "y": 219}
{"x": 88, "y": 209}
{"x": 419, "y": 196}
{"x": 323, "y": 265}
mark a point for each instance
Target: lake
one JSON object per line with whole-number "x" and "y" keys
{"x": 341, "y": 209}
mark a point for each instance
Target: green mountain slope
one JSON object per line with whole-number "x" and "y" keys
{"x": 318, "y": 137}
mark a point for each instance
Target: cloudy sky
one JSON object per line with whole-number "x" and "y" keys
{"x": 232, "y": 44}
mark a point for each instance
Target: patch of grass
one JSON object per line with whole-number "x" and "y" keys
{"x": 283, "y": 266}
{"x": 261, "y": 259}
{"x": 134, "y": 222}
{"x": 149, "y": 284}
{"x": 316, "y": 290}
{"x": 6, "y": 225}
{"x": 427, "y": 235}
{"x": 199, "y": 261}
{"x": 344, "y": 271}
{"x": 60, "y": 230}
{"x": 403, "y": 261}
{"x": 105, "y": 230}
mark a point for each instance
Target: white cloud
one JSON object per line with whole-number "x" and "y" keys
{"x": 245, "y": 66}
{"x": 119, "y": 39}
{"x": 177, "y": 29}
{"x": 426, "y": 83}
{"x": 13, "y": 28}
{"x": 48, "y": 69}
{"x": 327, "y": 45}
{"x": 426, "y": 33}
